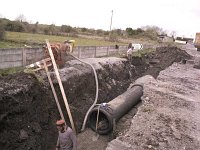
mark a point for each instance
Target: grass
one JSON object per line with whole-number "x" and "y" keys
{"x": 6, "y": 44}
{"x": 4, "y": 72}
{"x": 39, "y": 78}
{"x": 18, "y": 39}
{"x": 142, "y": 52}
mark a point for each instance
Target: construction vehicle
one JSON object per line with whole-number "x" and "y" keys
{"x": 60, "y": 50}
{"x": 197, "y": 41}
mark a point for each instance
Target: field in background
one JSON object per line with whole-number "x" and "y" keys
{"x": 18, "y": 39}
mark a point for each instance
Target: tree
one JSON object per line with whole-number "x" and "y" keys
{"x": 66, "y": 28}
{"x": 21, "y": 18}
{"x": 129, "y": 31}
{"x": 15, "y": 26}
{"x": 117, "y": 31}
{"x": 139, "y": 31}
{"x": 99, "y": 32}
{"x": 83, "y": 29}
{"x": 51, "y": 30}
{"x": 35, "y": 27}
{"x": 173, "y": 34}
{"x": 152, "y": 32}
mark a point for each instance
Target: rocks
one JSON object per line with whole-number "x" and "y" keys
{"x": 197, "y": 63}
{"x": 23, "y": 135}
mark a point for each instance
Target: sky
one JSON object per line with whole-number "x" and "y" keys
{"x": 181, "y": 16}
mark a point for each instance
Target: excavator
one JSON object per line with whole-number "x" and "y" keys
{"x": 60, "y": 50}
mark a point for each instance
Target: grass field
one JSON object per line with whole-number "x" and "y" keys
{"x": 18, "y": 39}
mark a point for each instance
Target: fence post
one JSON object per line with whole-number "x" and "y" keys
{"x": 95, "y": 51}
{"x": 35, "y": 54}
{"x": 23, "y": 57}
{"x": 79, "y": 52}
{"x": 108, "y": 50}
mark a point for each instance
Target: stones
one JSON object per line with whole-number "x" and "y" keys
{"x": 23, "y": 135}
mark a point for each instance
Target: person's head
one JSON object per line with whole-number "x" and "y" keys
{"x": 129, "y": 45}
{"x": 60, "y": 124}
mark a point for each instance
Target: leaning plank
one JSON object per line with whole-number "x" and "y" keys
{"x": 61, "y": 85}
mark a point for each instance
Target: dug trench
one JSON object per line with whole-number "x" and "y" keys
{"x": 28, "y": 111}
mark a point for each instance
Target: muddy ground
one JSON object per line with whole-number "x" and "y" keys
{"x": 28, "y": 111}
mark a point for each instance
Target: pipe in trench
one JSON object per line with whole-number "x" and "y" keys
{"x": 114, "y": 110}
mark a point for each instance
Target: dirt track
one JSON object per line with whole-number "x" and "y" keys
{"x": 28, "y": 111}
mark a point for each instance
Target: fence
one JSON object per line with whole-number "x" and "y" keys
{"x": 19, "y": 57}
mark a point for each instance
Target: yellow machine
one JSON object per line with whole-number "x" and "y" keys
{"x": 71, "y": 43}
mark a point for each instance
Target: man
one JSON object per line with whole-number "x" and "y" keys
{"x": 66, "y": 137}
{"x": 129, "y": 52}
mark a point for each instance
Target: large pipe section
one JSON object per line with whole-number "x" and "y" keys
{"x": 108, "y": 113}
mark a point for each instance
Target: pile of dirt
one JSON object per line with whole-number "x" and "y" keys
{"x": 28, "y": 111}
{"x": 162, "y": 58}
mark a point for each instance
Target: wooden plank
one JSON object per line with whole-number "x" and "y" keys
{"x": 61, "y": 86}
{"x": 53, "y": 90}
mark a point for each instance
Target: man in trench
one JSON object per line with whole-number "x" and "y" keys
{"x": 66, "y": 138}
{"x": 130, "y": 53}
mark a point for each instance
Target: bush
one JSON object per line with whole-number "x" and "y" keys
{"x": 66, "y": 28}
{"x": 15, "y": 26}
{"x": 113, "y": 37}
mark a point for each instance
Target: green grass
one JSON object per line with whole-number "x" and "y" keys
{"x": 143, "y": 52}
{"x": 4, "y": 72}
{"x": 18, "y": 39}
{"x": 6, "y": 44}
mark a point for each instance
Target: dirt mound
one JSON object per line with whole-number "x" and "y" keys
{"x": 25, "y": 114}
{"x": 28, "y": 111}
{"x": 162, "y": 58}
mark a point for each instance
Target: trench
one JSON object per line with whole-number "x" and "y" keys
{"x": 28, "y": 111}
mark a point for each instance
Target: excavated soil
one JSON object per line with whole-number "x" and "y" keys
{"x": 27, "y": 108}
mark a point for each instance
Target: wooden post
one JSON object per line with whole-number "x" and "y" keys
{"x": 53, "y": 90}
{"x": 35, "y": 55}
{"x": 23, "y": 57}
{"x": 60, "y": 84}
{"x": 107, "y": 50}
{"x": 79, "y": 52}
{"x": 95, "y": 51}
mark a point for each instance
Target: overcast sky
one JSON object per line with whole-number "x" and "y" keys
{"x": 182, "y": 16}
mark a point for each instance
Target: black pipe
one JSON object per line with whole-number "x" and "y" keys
{"x": 114, "y": 110}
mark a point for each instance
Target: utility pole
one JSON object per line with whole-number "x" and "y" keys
{"x": 111, "y": 23}
{"x": 111, "y": 20}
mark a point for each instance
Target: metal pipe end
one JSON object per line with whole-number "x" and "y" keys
{"x": 105, "y": 121}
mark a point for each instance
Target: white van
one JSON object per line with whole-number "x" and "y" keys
{"x": 137, "y": 46}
